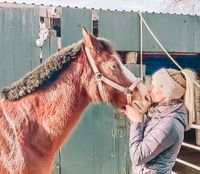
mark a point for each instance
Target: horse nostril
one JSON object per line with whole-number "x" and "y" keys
{"x": 123, "y": 107}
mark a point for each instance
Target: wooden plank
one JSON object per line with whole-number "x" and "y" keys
{"x": 47, "y": 11}
{"x": 2, "y": 45}
{"x": 57, "y": 163}
{"x": 30, "y": 20}
{"x": 7, "y": 64}
{"x": 105, "y": 140}
{"x": 20, "y": 51}
{"x": 49, "y": 47}
{"x": 123, "y": 145}
{"x": 77, "y": 152}
{"x": 197, "y": 106}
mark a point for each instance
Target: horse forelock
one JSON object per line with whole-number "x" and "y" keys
{"x": 42, "y": 74}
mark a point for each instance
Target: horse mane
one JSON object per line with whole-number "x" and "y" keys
{"x": 46, "y": 72}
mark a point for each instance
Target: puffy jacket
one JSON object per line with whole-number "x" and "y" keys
{"x": 155, "y": 143}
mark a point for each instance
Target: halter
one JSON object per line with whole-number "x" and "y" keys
{"x": 100, "y": 78}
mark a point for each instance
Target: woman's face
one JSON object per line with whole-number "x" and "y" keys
{"x": 156, "y": 94}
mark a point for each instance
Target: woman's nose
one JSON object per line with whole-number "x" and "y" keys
{"x": 149, "y": 88}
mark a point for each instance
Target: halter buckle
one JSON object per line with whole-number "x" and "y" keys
{"x": 129, "y": 99}
{"x": 127, "y": 91}
{"x": 99, "y": 76}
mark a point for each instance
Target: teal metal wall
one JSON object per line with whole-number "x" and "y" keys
{"x": 49, "y": 47}
{"x": 73, "y": 19}
{"x": 121, "y": 28}
{"x": 177, "y": 33}
{"x": 19, "y": 29}
{"x": 20, "y": 26}
{"x": 18, "y": 53}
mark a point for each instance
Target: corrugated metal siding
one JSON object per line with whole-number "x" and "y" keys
{"x": 72, "y": 20}
{"x": 18, "y": 53}
{"x": 49, "y": 47}
{"x": 177, "y": 33}
{"x": 121, "y": 28}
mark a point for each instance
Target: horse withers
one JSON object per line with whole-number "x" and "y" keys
{"x": 38, "y": 112}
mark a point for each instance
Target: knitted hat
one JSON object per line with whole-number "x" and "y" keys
{"x": 175, "y": 84}
{"x": 169, "y": 87}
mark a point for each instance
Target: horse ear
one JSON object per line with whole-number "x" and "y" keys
{"x": 91, "y": 42}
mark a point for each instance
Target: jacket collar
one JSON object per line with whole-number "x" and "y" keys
{"x": 165, "y": 108}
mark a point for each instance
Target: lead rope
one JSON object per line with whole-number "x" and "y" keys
{"x": 141, "y": 47}
{"x": 161, "y": 46}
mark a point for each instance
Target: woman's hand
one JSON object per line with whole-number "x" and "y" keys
{"x": 133, "y": 114}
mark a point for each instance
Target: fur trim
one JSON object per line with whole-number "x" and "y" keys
{"x": 46, "y": 71}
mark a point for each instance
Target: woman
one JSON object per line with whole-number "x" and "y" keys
{"x": 156, "y": 141}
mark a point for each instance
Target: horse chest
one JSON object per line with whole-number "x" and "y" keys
{"x": 11, "y": 155}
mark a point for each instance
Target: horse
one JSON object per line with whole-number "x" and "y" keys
{"x": 38, "y": 112}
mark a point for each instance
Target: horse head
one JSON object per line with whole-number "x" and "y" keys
{"x": 109, "y": 80}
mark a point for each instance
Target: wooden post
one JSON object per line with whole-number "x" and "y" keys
{"x": 197, "y": 107}
{"x": 131, "y": 57}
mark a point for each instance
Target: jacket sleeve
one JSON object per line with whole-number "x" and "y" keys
{"x": 144, "y": 148}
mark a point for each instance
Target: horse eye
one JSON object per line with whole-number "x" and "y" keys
{"x": 115, "y": 66}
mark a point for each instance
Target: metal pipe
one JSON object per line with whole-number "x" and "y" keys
{"x": 191, "y": 146}
{"x": 188, "y": 164}
{"x": 195, "y": 126}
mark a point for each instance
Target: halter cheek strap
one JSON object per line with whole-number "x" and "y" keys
{"x": 100, "y": 78}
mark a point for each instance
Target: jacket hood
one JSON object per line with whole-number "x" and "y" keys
{"x": 182, "y": 116}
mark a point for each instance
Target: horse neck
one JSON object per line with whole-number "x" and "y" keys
{"x": 50, "y": 113}
{"x": 63, "y": 103}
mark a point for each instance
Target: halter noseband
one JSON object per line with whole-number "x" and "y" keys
{"x": 100, "y": 78}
